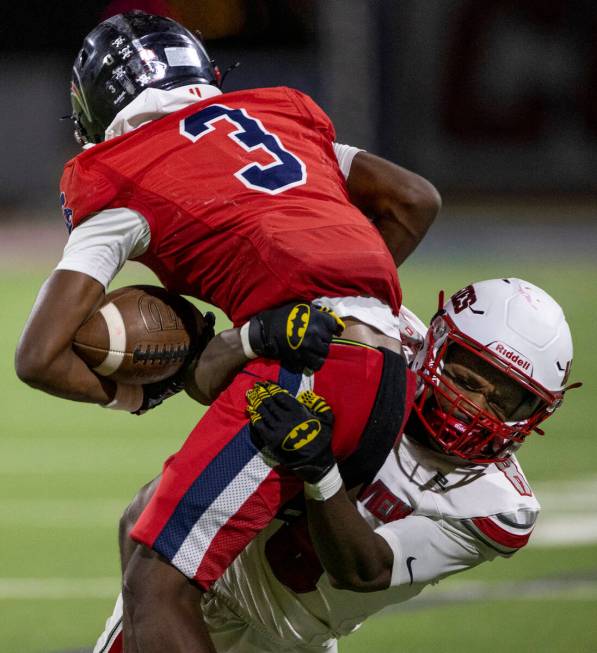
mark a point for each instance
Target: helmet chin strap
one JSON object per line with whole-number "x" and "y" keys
{"x": 446, "y": 432}
{"x": 417, "y": 431}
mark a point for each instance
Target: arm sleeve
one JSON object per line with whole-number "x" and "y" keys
{"x": 345, "y": 154}
{"x": 426, "y": 550}
{"x": 100, "y": 245}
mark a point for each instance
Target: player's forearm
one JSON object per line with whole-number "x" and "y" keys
{"x": 219, "y": 363}
{"x": 401, "y": 204}
{"x": 68, "y": 377}
{"x": 44, "y": 358}
{"x": 353, "y": 555}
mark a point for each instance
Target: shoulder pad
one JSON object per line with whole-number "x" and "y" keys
{"x": 84, "y": 189}
{"x": 321, "y": 121}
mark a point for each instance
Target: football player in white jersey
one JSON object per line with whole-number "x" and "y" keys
{"x": 492, "y": 366}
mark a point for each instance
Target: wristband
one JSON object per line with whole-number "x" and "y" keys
{"x": 128, "y": 397}
{"x": 244, "y": 340}
{"x": 326, "y": 488}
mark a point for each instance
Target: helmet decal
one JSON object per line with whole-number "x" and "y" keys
{"x": 123, "y": 56}
{"x": 463, "y": 299}
{"x": 515, "y": 357}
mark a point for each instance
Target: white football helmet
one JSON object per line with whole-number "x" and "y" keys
{"x": 517, "y": 328}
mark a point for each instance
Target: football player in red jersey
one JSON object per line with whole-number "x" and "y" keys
{"x": 245, "y": 201}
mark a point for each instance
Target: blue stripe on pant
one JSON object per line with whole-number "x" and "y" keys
{"x": 204, "y": 490}
{"x": 214, "y": 479}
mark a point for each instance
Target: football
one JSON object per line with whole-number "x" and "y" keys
{"x": 140, "y": 334}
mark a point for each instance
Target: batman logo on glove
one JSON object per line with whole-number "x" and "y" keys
{"x": 296, "y": 325}
{"x": 296, "y": 334}
{"x": 301, "y": 435}
{"x": 295, "y": 431}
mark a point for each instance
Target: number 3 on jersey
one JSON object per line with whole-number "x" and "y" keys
{"x": 286, "y": 171}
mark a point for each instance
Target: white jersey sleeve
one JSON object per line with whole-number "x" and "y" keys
{"x": 426, "y": 550}
{"x": 101, "y": 245}
{"x": 345, "y": 154}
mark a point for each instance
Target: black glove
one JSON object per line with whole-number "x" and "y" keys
{"x": 295, "y": 431}
{"x": 297, "y": 334}
{"x": 156, "y": 393}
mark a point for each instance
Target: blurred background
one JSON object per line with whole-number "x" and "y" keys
{"x": 495, "y": 103}
{"x": 491, "y": 97}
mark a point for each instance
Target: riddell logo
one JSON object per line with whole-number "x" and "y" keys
{"x": 512, "y": 356}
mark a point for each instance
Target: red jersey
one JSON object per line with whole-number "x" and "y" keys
{"x": 245, "y": 201}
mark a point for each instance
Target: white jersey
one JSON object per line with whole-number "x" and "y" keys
{"x": 437, "y": 517}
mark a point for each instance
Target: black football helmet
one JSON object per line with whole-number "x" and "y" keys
{"x": 122, "y": 57}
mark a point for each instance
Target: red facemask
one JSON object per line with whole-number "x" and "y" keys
{"x": 458, "y": 425}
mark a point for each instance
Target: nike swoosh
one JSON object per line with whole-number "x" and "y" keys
{"x": 409, "y": 564}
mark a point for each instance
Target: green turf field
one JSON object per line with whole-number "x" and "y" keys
{"x": 67, "y": 471}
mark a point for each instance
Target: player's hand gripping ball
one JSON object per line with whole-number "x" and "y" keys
{"x": 142, "y": 335}
{"x": 297, "y": 334}
{"x": 156, "y": 393}
{"x": 295, "y": 431}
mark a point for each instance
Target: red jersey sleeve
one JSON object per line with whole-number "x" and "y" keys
{"x": 84, "y": 191}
